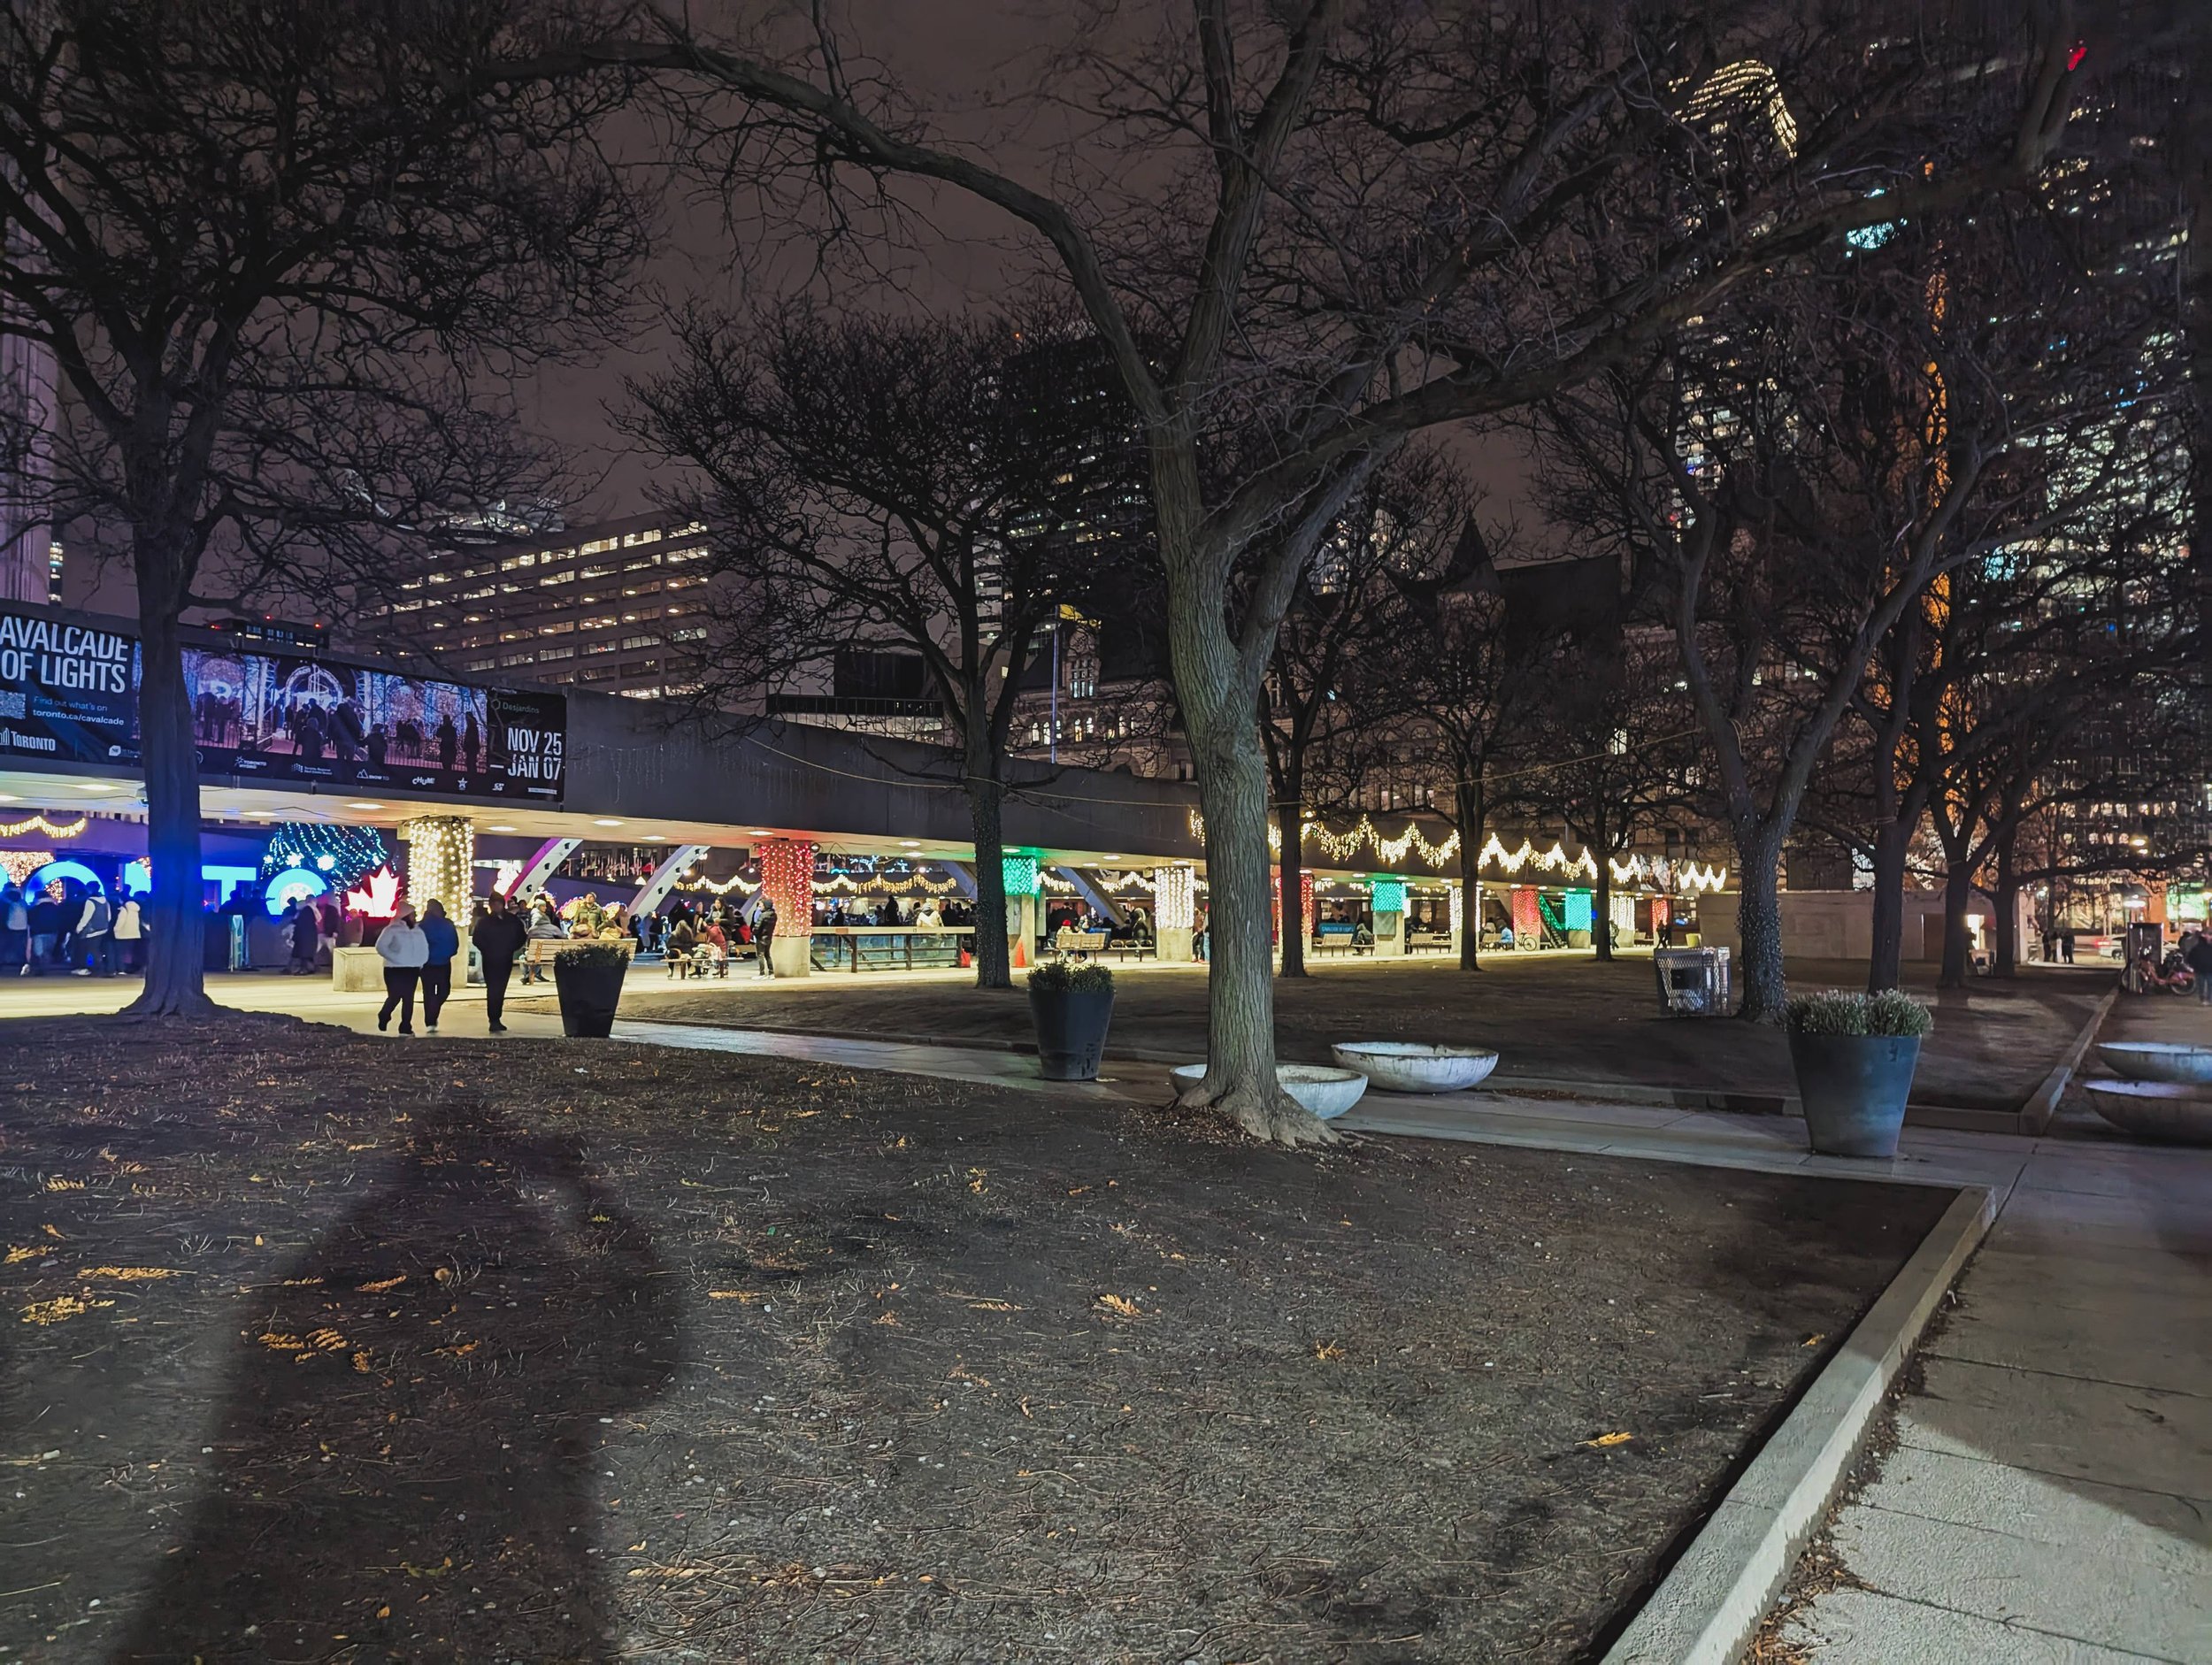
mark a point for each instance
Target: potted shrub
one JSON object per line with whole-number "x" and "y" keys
{"x": 1070, "y": 1005}
{"x": 588, "y": 979}
{"x": 1854, "y": 1056}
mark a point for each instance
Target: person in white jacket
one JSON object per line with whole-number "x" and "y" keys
{"x": 404, "y": 950}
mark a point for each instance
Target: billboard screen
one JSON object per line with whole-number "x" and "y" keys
{"x": 282, "y": 717}
{"x": 69, "y": 694}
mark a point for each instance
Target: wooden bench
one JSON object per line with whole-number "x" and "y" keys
{"x": 1078, "y": 944}
{"x": 1338, "y": 939}
{"x": 1128, "y": 948}
{"x": 538, "y": 952}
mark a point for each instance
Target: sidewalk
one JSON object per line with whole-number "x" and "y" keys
{"x": 2049, "y": 1493}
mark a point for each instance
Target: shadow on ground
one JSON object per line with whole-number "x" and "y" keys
{"x": 400, "y": 1469}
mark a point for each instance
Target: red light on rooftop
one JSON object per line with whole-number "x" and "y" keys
{"x": 2074, "y": 58}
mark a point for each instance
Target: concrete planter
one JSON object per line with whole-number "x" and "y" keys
{"x": 1327, "y": 1093}
{"x": 1854, "y": 1089}
{"x": 588, "y": 994}
{"x": 2159, "y": 1060}
{"x": 1071, "y": 1027}
{"x": 2174, "y": 1112}
{"x": 1415, "y": 1066}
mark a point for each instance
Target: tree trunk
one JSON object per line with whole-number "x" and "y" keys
{"x": 1602, "y": 913}
{"x": 1469, "y": 810}
{"x": 176, "y": 982}
{"x": 1759, "y": 927}
{"x": 1289, "y": 817}
{"x": 2005, "y": 946}
{"x": 1884, "y": 966}
{"x": 1958, "y": 897}
{"x": 986, "y": 804}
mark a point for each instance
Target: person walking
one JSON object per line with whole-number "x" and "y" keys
{"x": 499, "y": 937}
{"x": 404, "y": 948}
{"x": 15, "y": 931}
{"x": 763, "y": 935}
{"x": 130, "y": 936}
{"x": 2198, "y": 956}
{"x": 92, "y": 936}
{"x": 46, "y": 924}
{"x": 307, "y": 939}
{"x": 442, "y": 942}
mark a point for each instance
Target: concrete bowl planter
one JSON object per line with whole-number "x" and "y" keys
{"x": 2159, "y": 1060}
{"x": 1327, "y": 1093}
{"x": 1415, "y": 1066}
{"x": 2175, "y": 1112}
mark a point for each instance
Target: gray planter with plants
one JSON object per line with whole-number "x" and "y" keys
{"x": 588, "y": 979}
{"x": 1854, "y": 1056}
{"x": 1072, "y": 1006}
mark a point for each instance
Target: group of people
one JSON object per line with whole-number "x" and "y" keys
{"x": 927, "y": 914}
{"x": 716, "y": 931}
{"x": 68, "y": 926}
{"x": 418, "y": 955}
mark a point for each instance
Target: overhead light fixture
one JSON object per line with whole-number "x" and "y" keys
{"x": 9, "y": 797}
{"x": 909, "y": 844}
{"x": 760, "y": 832}
{"x": 606, "y": 821}
{"x": 94, "y": 785}
{"x": 656, "y": 838}
{"x": 499, "y": 829}
{"x": 364, "y": 806}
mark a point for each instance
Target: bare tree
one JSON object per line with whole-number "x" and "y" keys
{"x": 278, "y": 253}
{"x": 1359, "y": 221}
{"x": 1330, "y": 696}
{"x": 942, "y": 490}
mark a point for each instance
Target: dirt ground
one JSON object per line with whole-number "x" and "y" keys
{"x": 325, "y": 1347}
{"x": 1558, "y": 1018}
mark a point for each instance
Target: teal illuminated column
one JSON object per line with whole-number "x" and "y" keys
{"x": 1389, "y": 897}
{"x": 1023, "y": 879}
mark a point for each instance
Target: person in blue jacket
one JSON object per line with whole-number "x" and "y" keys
{"x": 437, "y": 971}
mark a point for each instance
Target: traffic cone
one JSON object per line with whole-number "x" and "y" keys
{"x": 1021, "y": 953}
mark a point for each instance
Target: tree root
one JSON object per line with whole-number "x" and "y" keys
{"x": 1273, "y": 1117}
{"x": 160, "y": 1003}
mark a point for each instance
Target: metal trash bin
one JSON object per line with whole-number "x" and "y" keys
{"x": 1693, "y": 982}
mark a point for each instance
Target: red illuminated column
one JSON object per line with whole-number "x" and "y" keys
{"x": 786, "y": 879}
{"x": 1528, "y": 918}
{"x": 1305, "y": 913}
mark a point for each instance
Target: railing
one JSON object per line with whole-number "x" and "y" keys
{"x": 887, "y": 948}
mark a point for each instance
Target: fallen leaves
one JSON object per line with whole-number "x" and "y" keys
{"x": 1121, "y": 1305}
{"x": 315, "y": 1343}
{"x": 15, "y": 1254}
{"x": 1814, "y": 1339}
{"x": 1327, "y": 1352}
{"x": 1606, "y": 1442}
{"x": 60, "y": 1309}
{"x": 383, "y": 1283}
{"x": 130, "y": 1274}
{"x": 744, "y": 1297}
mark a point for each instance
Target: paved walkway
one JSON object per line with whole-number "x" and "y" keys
{"x": 2049, "y": 1495}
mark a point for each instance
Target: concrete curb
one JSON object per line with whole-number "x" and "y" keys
{"x": 1707, "y": 1609}
{"x": 2035, "y": 1115}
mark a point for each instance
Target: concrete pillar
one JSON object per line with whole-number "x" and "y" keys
{"x": 440, "y": 862}
{"x": 786, "y": 879}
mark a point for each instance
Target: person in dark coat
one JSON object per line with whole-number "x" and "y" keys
{"x": 2198, "y": 955}
{"x": 307, "y": 931}
{"x": 448, "y": 742}
{"x": 437, "y": 971}
{"x": 499, "y": 936}
{"x": 764, "y": 934}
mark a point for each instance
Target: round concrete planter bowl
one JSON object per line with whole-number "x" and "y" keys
{"x": 2175, "y": 1112}
{"x": 2160, "y": 1061}
{"x": 1415, "y": 1066}
{"x": 1327, "y": 1093}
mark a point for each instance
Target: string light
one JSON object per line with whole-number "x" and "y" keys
{"x": 377, "y": 897}
{"x": 45, "y": 828}
{"x": 441, "y": 862}
{"x": 1020, "y": 875}
{"x": 1658, "y": 872}
{"x": 786, "y": 874}
{"x": 1389, "y": 894}
{"x": 20, "y": 864}
{"x": 1175, "y": 898}
{"x": 1458, "y": 893}
{"x": 342, "y": 855}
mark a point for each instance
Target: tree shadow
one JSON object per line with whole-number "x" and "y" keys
{"x": 403, "y": 1471}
